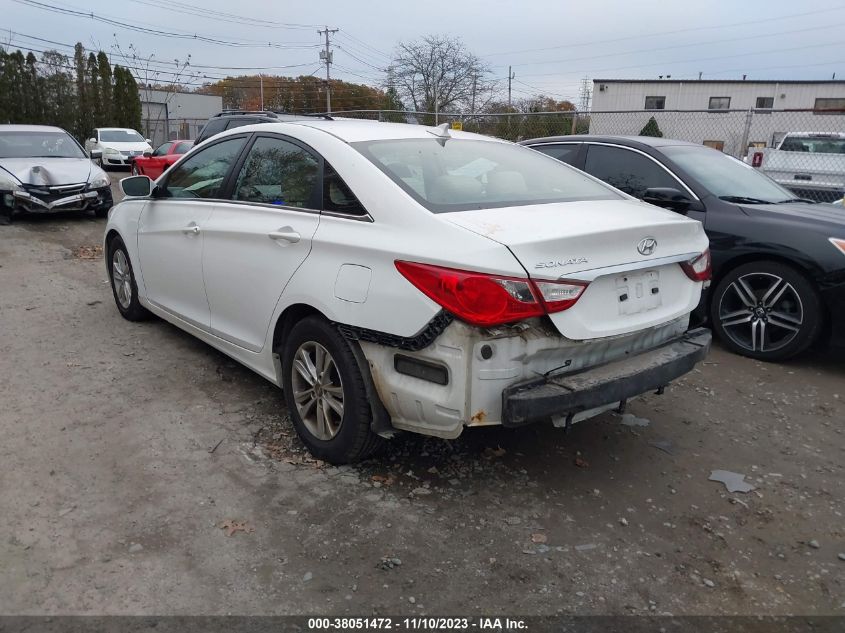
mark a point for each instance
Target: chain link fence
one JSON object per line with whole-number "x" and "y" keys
{"x": 803, "y": 150}
{"x": 161, "y": 129}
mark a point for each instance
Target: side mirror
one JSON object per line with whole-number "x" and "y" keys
{"x": 93, "y": 141}
{"x": 95, "y": 154}
{"x": 149, "y": 142}
{"x": 137, "y": 186}
{"x": 147, "y": 154}
{"x": 668, "y": 198}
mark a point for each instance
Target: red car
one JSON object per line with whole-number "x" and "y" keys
{"x": 153, "y": 164}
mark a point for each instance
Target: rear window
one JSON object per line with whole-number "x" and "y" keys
{"x": 213, "y": 127}
{"x": 814, "y": 144}
{"x": 446, "y": 175}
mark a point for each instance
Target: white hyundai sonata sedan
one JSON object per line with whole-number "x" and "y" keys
{"x": 399, "y": 277}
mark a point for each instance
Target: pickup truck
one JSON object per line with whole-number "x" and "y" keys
{"x": 810, "y": 164}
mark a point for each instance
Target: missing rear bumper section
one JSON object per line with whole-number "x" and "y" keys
{"x": 568, "y": 395}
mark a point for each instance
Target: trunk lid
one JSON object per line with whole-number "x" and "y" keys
{"x": 597, "y": 242}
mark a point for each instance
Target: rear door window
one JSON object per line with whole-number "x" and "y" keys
{"x": 627, "y": 170}
{"x": 280, "y": 173}
{"x": 566, "y": 152}
{"x": 215, "y": 126}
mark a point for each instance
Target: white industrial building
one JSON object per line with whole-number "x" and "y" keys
{"x": 168, "y": 115}
{"x": 731, "y": 115}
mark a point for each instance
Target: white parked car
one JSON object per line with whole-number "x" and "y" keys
{"x": 118, "y": 145}
{"x": 392, "y": 276}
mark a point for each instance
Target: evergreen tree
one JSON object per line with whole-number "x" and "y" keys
{"x": 651, "y": 128}
{"x": 104, "y": 111}
{"x": 33, "y": 102}
{"x": 5, "y": 95}
{"x": 92, "y": 75}
{"x": 133, "y": 102}
{"x": 84, "y": 124}
{"x": 57, "y": 91}
{"x": 118, "y": 97}
{"x": 13, "y": 81}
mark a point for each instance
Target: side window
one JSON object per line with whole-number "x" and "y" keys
{"x": 337, "y": 196}
{"x": 278, "y": 172}
{"x": 203, "y": 174}
{"x": 629, "y": 171}
{"x": 182, "y": 148}
{"x": 565, "y": 152}
{"x": 161, "y": 150}
{"x": 214, "y": 126}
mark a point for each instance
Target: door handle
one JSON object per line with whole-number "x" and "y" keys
{"x": 191, "y": 230}
{"x": 287, "y": 234}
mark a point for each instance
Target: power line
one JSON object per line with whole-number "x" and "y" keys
{"x": 687, "y": 61}
{"x": 663, "y": 48}
{"x": 202, "y": 12}
{"x": 653, "y": 35}
{"x": 156, "y": 32}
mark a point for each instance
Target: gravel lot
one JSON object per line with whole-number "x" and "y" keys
{"x": 127, "y": 446}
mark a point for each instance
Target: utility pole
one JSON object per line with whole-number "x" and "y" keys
{"x": 474, "y": 83}
{"x": 511, "y": 76}
{"x": 261, "y": 80}
{"x": 326, "y": 56}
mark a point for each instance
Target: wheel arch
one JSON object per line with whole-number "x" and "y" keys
{"x": 748, "y": 258}
{"x": 293, "y": 314}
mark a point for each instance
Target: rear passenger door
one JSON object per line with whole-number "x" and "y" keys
{"x": 255, "y": 241}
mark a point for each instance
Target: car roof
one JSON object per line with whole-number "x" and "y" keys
{"x": 633, "y": 141}
{"x": 116, "y": 128}
{"x": 355, "y": 130}
{"x": 31, "y": 128}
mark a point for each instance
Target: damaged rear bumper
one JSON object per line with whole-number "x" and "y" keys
{"x": 567, "y": 395}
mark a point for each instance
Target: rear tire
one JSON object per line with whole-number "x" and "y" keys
{"x": 326, "y": 394}
{"x": 766, "y": 310}
{"x": 123, "y": 285}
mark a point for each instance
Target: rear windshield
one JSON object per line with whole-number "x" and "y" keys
{"x": 120, "y": 136}
{"x": 446, "y": 175}
{"x": 814, "y": 144}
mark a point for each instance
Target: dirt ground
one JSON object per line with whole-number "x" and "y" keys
{"x": 125, "y": 447}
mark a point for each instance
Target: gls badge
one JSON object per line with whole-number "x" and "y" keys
{"x": 647, "y": 246}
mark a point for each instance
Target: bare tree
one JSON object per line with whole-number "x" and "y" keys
{"x": 437, "y": 73}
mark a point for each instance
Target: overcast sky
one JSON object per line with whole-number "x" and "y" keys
{"x": 551, "y": 44}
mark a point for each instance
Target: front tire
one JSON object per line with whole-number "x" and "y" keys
{"x": 325, "y": 393}
{"x": 123, "y": 285}
{"x": 135, "y": 171}
{"x": 766, "y": 310}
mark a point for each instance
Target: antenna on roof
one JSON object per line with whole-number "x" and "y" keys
{"x": 441, "y": 132}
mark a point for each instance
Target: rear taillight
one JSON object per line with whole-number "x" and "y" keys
{"x": 487, "y": 300}
{"x": 698, "y": 268}
{"x": 756, "y": 159}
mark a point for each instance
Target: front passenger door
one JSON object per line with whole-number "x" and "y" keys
{"x": 172, "y": 228}
{"x": 257, "y": 240}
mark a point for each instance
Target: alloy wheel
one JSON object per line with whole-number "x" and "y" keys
{"x": 122, "y": 278}
{"x": 761, "y": 312}
{"x": 317, "y": 390}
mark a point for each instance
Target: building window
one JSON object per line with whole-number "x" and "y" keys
{"x": 719, "y": 103}
{"x": 655, "y": 103}
{"x": 829, "y": 105}
{"x": 765, "y": 103}
{"x": 719, "y": 145}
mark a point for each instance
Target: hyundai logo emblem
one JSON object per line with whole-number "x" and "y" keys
{"x": 647, "y": 246}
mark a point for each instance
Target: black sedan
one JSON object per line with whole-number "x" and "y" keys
{"x": 778, "y": 261}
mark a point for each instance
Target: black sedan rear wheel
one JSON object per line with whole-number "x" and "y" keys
{"x": 766, "y": 310}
